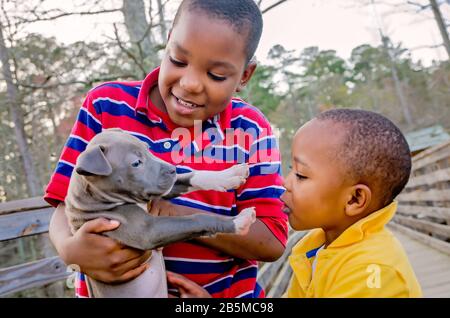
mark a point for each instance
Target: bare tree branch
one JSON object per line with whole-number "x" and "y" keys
{"x": 276, "y": 4}
{"x": 435, "y": 46}
{"x": 421, "y": 7}
{"x": 89, "y": 82}
{"x": 62, "y": 14}
{"x": 127, "y": 52}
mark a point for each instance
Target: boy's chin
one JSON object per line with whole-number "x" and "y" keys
{"x": 179, "y": 120}
{"x": 184, "y": 121}
{"x": 298, "y": 225}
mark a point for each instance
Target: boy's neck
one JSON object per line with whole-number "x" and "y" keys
{"x": 156, "y": 99}
{"x": 332, "y": 234}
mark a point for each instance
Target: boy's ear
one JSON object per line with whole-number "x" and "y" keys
{"x": 358, "y": 200}
{"x": 247, "y": 75}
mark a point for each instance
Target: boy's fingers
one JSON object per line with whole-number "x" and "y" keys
{"x": 134, "y": 273}
{"x": 133, "y": 263}
{"x": 186, "y": 287}
{"x": 99, "y": 225}
{"x": 180, "y": 281}
{"x": 154, "y": 208}
{"x": 127, "y": 253}
{"x": 173, "y": 278}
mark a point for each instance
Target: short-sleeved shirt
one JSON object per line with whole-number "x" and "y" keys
{"x": 365, "y": 261}
{"x": 240, "y": 133}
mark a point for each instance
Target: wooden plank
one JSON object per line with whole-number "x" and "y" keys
{"x": 440, "y": 245}
{"x": 431, "y": 159}
{"x": 430, "y": 195}
{"x": 22, "y": 205}
{"x": 424, "y": 226}
{"x": 424, "y": 211}
{"x": 442, "y": 291}
{"x": 267, "y": 273}
{"x": 430, "y": 151}
{"x": 436, "y": 278}
{"x": 281, "y": 283}
{"x": 430, "y": 178}
{"x": 17, "y": 278}
{"x": 426, "y": 263}
{"x": 431, "y": 155}
{"x": 20, "y": 224}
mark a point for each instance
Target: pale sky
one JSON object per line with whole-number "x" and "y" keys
{"x": 335, "y": 24}
{"x": 297, "y": 24}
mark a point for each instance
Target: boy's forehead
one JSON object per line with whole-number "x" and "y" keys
{"x": 196, "y": 33}
{"x": 201, "y": 13}
{"x": 191, "y": 18}
{"x": 318, "y": 137}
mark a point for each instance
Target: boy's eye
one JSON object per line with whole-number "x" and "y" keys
{"x": 298, "y": 175}
{"x": 216, "y": 77}
{"x": 176, "y": 62}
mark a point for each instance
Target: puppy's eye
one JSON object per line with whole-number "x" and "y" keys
{"x": 137, "y": 163}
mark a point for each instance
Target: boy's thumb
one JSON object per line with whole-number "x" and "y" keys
{"x": 100, "y": 225}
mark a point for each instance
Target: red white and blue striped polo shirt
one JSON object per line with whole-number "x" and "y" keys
{"x": 240, "y": 133}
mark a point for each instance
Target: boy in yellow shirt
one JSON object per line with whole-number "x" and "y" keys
{"x": 347, "y": 168}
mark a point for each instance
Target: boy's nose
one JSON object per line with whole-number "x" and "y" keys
{"x": 286, "y": 182}
{"x": 191, "y": 83}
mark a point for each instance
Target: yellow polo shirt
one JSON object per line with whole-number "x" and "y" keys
{"x": 366, "y": 260}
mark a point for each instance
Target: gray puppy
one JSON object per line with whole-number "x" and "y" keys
{"x": 116, "y": 176}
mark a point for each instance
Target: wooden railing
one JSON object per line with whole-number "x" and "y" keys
{"x": 32, "y": 216}
{"x": 274, "y": 277}
{"x": 424, "y": 205}
{"x": 24, "y": 218}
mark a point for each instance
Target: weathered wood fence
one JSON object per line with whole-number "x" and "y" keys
{"x": 424, "y": 205}
{"x": 24, "y": 218}
{"x": 274, "y": 277}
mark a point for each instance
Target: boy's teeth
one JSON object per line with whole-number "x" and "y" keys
{"x": 182, "y": 102}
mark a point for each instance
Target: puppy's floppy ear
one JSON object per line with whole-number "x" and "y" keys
{"x": 92, "y": 162}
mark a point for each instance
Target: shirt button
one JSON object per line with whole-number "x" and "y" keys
{"x": 167, "y": 145}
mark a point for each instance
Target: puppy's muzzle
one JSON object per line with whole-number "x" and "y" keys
{"x": 167, "y": 177}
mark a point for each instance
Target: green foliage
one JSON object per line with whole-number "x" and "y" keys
{"x": 260, "y": 91}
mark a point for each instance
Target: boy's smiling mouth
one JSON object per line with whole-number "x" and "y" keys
{"x": 185, "y": 107}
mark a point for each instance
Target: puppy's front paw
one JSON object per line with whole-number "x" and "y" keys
{"x": 241, "y": 170}
{"x": 235, "y": 176}
{"x": 231, "y": 178}
{"x": 244, "y": 220}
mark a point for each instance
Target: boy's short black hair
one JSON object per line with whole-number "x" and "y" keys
{"x": 374, "y": 151}
{"x": 243, "y": 15}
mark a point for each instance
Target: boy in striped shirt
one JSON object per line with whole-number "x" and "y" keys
{"x": 184, "y": 110}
